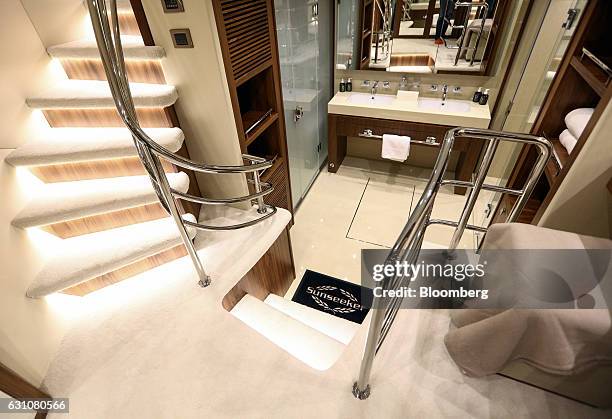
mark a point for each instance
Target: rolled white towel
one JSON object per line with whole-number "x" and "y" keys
{"x": 395, "y": 147}
{"x": 568, "y": 140}
{"x": 577, "y": 120}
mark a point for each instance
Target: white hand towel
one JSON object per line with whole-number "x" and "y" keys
{"x": 577, "y": 120}
{"x": 395, "y": 147}
{"x": 568, "y": 140}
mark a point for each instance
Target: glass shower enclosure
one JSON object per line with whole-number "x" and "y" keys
{"x": 305, "y": 45}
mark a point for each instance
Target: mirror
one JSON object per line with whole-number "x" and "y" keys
{"x": 418, "y": 36}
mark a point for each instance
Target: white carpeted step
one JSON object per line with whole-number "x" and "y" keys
{"x": 133, "y": 49}
{"x": 70, "y": 145}
{"x": 71, "y": 94}
{"x": 66, "y": 201}
{"x": 86, "y": 257}
{"x": 310, "y": 346}
{"x": 334, "y": 327}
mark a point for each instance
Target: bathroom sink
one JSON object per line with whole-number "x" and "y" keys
{"x": 449, "y": 105}
{"x": 366, "y": 99}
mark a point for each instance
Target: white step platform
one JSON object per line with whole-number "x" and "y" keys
{"x": 71, "y": 145}
{"x": 133, "y": 49}
{"x": 66, "y": 201}
{"x": 334, "y": 327}
{"x": 314, "y": 348}
{"x": 74, "y": 94}
{"x": 86, "y": 257}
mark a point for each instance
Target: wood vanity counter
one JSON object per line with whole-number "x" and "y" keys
{"x": 403, "y": 117}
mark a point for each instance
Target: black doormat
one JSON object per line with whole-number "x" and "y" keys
{"x": 334, "y": 296}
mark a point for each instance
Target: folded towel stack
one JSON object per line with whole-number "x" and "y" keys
{"x": 575, "y": 121}
{"x": 395, "y": 147}
{"x": 568, "y": 140}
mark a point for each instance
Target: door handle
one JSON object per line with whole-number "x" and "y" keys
{"x": 298, "y": 113}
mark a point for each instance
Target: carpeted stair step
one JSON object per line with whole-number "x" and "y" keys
{"x": 82, "y": 258}
{"x": 334, "y": 327}
{"x": 78, "y": 94}
{"x": 70, "y": 145}
{"x": 310, "y": 346}
{"x": 66, "y": 201}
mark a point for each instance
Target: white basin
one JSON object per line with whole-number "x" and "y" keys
{"x": 366, "y": 99}
{"x": 449, "y": 105}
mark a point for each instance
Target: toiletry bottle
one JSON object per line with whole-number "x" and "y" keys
{"x": 342, "y": 86}
{"x": 349, "y": 85}
{"x": 477, "y": 95}
{"x": 484, "y": 98}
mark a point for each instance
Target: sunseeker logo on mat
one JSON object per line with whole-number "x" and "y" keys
{"x": 334, "y": 299}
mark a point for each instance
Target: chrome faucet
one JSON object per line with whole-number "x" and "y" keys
{"x": 444, "y": 92}
{"x": 374, "y": 88}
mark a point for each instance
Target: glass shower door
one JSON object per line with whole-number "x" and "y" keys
{"x": 306, "y": 89}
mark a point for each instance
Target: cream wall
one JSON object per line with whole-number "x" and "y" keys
{"x": 581, "y": 204}
{"x": 30, "y": 330}
{"x": 58, "y": 21}
{"x": 204, "y": 107}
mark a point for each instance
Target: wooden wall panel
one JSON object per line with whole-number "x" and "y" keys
{"x": 15, "y": 386}
{"x": 273, "y": 274}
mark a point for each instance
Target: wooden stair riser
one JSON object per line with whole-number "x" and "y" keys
{"x": 106, "y": 221}
{"x": 138, "y": 71}
{"x": 128, "y": 24}
{"x": 104, "y": 117}
{"x": 127, "y": 271}
{"x": 94, "y": 169}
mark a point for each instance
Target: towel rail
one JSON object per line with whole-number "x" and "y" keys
{"x": 431, "y": 141}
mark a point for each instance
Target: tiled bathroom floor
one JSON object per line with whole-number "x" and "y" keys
{"x": 364, "y": 206}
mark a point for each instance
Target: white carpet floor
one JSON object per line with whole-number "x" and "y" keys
{"x": 158, "y": 346}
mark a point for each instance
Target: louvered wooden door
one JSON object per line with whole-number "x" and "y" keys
{"x": 247, "y": 33}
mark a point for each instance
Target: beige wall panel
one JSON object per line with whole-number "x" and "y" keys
{"x": 204, "y": 106}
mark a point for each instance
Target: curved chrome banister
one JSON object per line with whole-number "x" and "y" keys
{"x": 266, "y": 188}
{"x": 408, "y": 245}
{"x": 111, "y": 53}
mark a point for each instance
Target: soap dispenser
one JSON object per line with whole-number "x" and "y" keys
{"x": 484, "y": 98}
{"x": 477, "y": 95}
{"x": 349, "y": 85}
{"x": 342, "y": 85}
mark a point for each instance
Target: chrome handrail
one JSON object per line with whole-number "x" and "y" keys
{"x": 108, "y": 39}
{"x": 408, "y": 245}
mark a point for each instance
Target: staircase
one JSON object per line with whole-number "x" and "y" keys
{"x": 315, "y": 338}
{"x": 94, "y": 193}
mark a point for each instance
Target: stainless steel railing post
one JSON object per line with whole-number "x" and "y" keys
{"x": 261, "y": 207}
{"x": 204, "y": 278}
{"x": 473, "y": 193}
{"x": 408, "y": 245}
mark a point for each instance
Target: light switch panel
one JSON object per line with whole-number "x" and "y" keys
{"x": 181, "y": 38}
{"x": 173, "y": 6}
